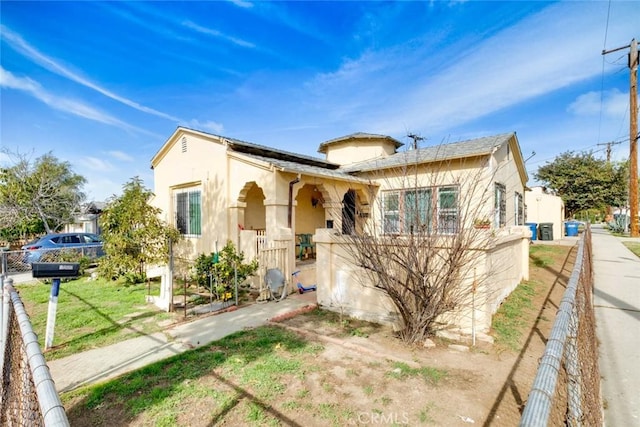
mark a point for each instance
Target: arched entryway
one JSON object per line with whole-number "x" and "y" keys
{"x": 310, "y": 212}
{"x": 349, "y": 212}
{"x": 254, "y": 217}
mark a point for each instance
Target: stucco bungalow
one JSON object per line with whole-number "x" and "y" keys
{"x": 215, "y": 188}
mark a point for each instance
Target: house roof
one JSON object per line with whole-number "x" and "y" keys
{"x": 357, "y": 136}
{"x": 443, "y": 152}
{"x": 306, "y": 169}
{"x": 244, "y": 147}
{"x": 274, "y": 153}
{"x": 298, "y": 163}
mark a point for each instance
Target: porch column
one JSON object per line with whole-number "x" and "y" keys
{"x": 276, "y": 212}
{"x": 333, "y": 212}
{"x": 236, "y": 219}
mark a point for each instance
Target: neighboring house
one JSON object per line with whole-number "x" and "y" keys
{"x": 214, "y": 189}
{"x": 87, "y": 221}
{"x": 545, "y": 207}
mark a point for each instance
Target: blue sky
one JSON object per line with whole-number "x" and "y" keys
{"x": 103, "y": 85}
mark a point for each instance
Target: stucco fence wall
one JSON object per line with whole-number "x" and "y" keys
{"x": 344, "y": 287}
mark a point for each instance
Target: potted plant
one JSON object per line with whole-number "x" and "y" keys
{"x": 482, "y": 223}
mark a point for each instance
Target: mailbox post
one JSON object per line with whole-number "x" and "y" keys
{"x": 54, "y": 271}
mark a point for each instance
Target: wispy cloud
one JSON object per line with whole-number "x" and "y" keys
{"x": 119, "y": 155}
{"x": 242, "y": 3}
{"x": 67, "y": 105}
{"x": 97, "y": 164}
{"x": 30, "y": 52}
{"x": 209, "y": 126}
{"x": 611, "y": 103}
{"x": 215, "y": 33}
{"x": 101, "y": 188}
{"x": 537, "y": 56}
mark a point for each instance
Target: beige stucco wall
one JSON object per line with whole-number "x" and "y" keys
{"x": 202, "y": 166}
{"x": 543, "y": 207}
{"x": 358, "y": 150}
{"x": 346, "y": 288}
{"x": 308, "y": 216}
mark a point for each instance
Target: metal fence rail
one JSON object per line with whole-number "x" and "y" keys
{"x": 28, "y": 396}
{"x": 566, "y": 389}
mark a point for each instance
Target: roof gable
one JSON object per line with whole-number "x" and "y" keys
{"x": 437, "y": 153}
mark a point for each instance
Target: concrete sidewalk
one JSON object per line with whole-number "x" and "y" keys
{"x": 617, "y": 309}
{"x": 109, "y": 362}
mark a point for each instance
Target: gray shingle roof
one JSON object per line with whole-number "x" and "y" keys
{"x": 456, "y": 150}
{"x": 251, "y": 148}
{"x": 311, "y": 170}
{"x": 239, "y": 145}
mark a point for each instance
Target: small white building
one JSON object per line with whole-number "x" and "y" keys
{"x": 87, "y": 220}
{"x": 545, "y": 207}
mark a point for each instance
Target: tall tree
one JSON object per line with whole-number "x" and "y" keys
{"x": 584, "y": 181}
{"x": 133, "y": 233}
{"x": 41, "y": 194}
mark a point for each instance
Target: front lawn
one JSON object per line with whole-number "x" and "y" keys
{"x": 91, "y": 313}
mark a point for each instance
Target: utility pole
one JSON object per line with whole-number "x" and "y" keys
{"x": 609, "y": 144}
{"x": 633, "y": 133}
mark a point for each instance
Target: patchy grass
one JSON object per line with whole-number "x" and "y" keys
{"x": 250, "y": 378}
{"x": 259, "y": 357}
{"x": 544, "y": 255}
{"x": 633, "y": 247}
{"x": 402, "y": 371}
{"x": 348, "y": 326}
{"x": 91, "y": 313}
{"x": 511, "y": 320}
{"x": 508, "y": 323}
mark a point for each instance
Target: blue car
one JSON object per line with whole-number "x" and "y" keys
{"x": 88, "y": 244}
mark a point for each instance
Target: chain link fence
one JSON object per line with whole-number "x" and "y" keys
{"x": 13, "y": 262}
{"x": 19, "y": 261}
{"x": 28, "y": 396}
{"x": 566, "y": 389}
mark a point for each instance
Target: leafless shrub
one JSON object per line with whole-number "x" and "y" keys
{"x": 420, "y": 245}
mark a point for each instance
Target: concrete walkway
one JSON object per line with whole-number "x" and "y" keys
{"x": 109, "y": 362}
{"x": 617, "y": 308}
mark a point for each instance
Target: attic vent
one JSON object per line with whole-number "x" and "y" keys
{"x": 184, "y": 144}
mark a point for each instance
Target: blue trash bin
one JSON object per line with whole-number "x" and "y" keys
{"x": 571, "y": 228}
{"x": 534, "y": 230}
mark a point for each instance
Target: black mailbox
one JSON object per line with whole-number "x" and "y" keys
{"x": 52, "y": 270}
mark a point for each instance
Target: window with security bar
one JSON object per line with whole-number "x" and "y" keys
{"x": 188, "y": 212}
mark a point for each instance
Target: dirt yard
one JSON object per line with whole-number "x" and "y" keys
{"x": 350, "y": 373}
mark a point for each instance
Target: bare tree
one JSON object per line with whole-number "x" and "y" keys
{"x": 420, "y": 246}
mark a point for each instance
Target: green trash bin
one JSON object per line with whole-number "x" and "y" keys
{"x": 546, "y": 230}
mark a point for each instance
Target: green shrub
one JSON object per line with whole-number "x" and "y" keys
{"x": 217, "y": 271}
